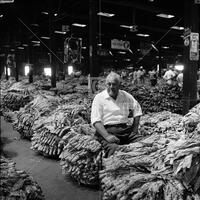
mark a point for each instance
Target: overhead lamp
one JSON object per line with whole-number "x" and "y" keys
{"x": 99, "y": 44}
{"x": 165, "y": 47}
{"x": 12, "y": 50}
{"x": 36, "y": 45}
{"x": 46, "y": 38}
{"x": 104, "y": 14}
{"x": 25, "y": 45}
{"x": 126, "y": 26}
{"x": 180, "y": 28}
{"x": 35, "y": 25}
{"x": 127, "y": 59}
{"x": 20, "y": 47}
{"x": 165, "y": 16}
{"x": 142, "y": 35}
{"x": 121, "y": 52}
{"x": 60, "y": 32}
{"x": 45, "y": 13}
{"x": 55, "y": 14}
{"x": 1, "y": 16}
{"x": 35, "y": 41}
{"x": 83, "y": 47}
{"x": 6, "y": 1}
{"x": 79, "y": 25}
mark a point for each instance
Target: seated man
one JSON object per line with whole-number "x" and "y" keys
{"x": 109, "y": 115}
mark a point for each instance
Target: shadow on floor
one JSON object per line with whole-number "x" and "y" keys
{"x": 9, "y": 154}
{"x": 5, "y": 140}
{"x": 82, "y": 186}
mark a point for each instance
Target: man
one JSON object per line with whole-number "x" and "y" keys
{"x": 153, "y": 77}
{"x": 169, "y": 76}
{"x": 179, "y": 79}
{"x": 142, "y": 75}
{"x": 109, "y": 115}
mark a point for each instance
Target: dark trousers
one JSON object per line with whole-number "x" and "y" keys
{"x": 122, "y": 132}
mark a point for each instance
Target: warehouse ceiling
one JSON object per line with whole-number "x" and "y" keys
{"x": 23, "y": 22}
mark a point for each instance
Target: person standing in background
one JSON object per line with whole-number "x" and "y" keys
{"x": 170, "y": 75}
{"x": 179, "y": 79}
{"x": 138, "y": 75}
{"x": 153, "y": 77}
{"x": 134, "y": 77}
{"x": 142, "y": 77}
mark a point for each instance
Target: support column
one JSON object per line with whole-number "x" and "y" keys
{"x": 191, "y": 21}
{"x": 30, "y": 61}
{"x": 93, "y": 24}
{"x": 52, "y": 44}
{"x": 16, "y": 64}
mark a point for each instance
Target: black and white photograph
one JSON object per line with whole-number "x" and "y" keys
{"x": 100, "y": 100}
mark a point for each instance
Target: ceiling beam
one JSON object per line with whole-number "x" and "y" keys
{"x": 133, "y": 4}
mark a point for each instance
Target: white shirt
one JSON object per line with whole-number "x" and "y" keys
{"x": 180, "y": 79}
{"x": 109, "y": 111}
{"x": 168, "y": 76}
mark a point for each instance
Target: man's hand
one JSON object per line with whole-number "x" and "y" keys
{"x": 112, "y": 139}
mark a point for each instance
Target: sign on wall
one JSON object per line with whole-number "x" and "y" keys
{"x": 194, "y": 46}
{"x": 120, "y": 44}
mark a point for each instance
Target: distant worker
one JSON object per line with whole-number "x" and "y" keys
{"x": 142, "y": 76}
{"x": 179, "y": 79}
{"x": 153, "y": 77}
{"x": 169, "y": 76}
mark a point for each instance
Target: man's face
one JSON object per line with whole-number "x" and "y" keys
{"x": 113, "y": 87}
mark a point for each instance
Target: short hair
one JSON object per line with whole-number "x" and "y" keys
{"x": 113, "y": 76}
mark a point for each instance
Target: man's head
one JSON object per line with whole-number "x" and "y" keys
{"x": 113, "y": 82}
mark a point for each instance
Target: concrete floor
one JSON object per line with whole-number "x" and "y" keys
{"x": 46, "y": 172}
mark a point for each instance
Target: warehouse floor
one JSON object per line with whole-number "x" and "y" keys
{"x": 46, "y": 172}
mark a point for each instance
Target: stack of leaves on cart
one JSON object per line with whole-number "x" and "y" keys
{"x": 17, "y": 184}
{"x": 81, "y": 156}
{"x": 164, "y": 165}
{"x": 42, "y": 105}
{"x": 17, "y": 96}
{"x": 191, "y": 122}
{"x": 157, "y": 99}
{"x": 160, "y": 122}
{"x": 5, "y": 85}
{"x": 48, "y": 131}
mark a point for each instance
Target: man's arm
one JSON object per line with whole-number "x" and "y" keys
{"x": 135, "y": 125}
{"x": 103, "y": 132}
